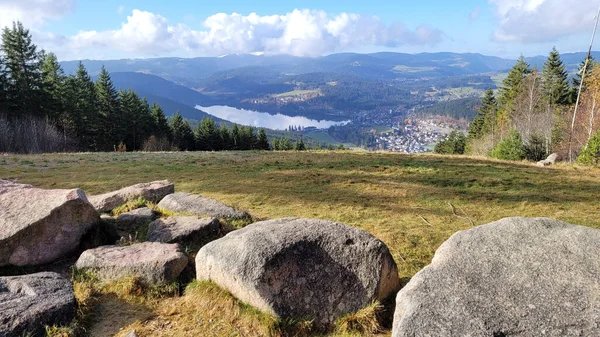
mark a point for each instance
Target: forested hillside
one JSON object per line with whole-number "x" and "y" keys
{"x": 44, "y": 110}
{"x": 537, "y": 112}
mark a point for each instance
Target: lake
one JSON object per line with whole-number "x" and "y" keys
{"x": 263, "y": 119}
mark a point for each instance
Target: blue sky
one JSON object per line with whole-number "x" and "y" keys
{"x": 104, "y": 29}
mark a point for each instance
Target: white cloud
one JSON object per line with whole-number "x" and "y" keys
{"x": 533, "y": 21}
{"x": 300, "y": 32}
{"x": 121, "y": 9}
{"x": 33, "y": 12}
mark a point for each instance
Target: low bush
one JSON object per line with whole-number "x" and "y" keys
{"x": 454, "y": 144}
{"x": 590, "y": 154}
{"x": 511, "y": 148}
{"x": 535, "y": 149}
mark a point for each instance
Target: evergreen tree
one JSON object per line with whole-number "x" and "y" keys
{"x": 248, "y": 139}
{"x": 145, "y": 122}
{"x": 577, "y": 78}
{"x": 510, "y": 89}
{"x": 207, "y": 136}
{"x": 82, "y": 117}
{"x": 300, "y": 145}
{"x": 235, "y": 138}
{"x": 22, "y": 62}
{"x": 183, "y": 136}
{"x": 489, "y": 108}
{"x": 108, "y": 107}
{"x": 129, "y": 105}
{"x": 226, "y": 138}
{"x": 555, "y": 84}
{"x": 263, "y": 141}
{"x": 275, "y": 144}
{"x": 476, "y": 127}
{"x": 510, "y": 148}
{"x": 590, "y": 154}
{"x": 454, "y": 144}
{"x": 53, "y": 86}
{"x": 485, "y": 120}
{"x": 285, "y": 144}
{"x": 4, "y": 102}
{"x": 160, "y": 123}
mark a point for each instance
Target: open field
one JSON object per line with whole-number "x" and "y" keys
{"x": 325, "y": 138}
{"x": 295, "y": 93}
{"x": 406, "y": 69}
{"x": 411, "y": 202}
{"x": 498, "y": 78}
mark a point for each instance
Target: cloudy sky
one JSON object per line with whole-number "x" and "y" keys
{"x": 108, "y": 29}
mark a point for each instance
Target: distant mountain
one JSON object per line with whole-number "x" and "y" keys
{"x": 155, "y": 85}
{"x": 571, "y": 60}
{"x": 191, "y": 72}
{"x": 170, "y": 96}
{"x": 333, "y": 87}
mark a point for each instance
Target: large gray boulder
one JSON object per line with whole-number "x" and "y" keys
{"x": 184, "y": 229}
{"x": 153, "y": 262}
{"x": 301, "y": 268}
{"x": 39, "y": 226}
{"x": 153, "y": 191}
{"x": 29, "y": 302}
{"x": 513, "y": 277}
{"x": 188, "y": 203}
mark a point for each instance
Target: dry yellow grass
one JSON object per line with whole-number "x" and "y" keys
{"x": 411, "y": 202}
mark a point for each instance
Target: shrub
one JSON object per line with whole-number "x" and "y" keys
{"x": 511, "y": 148}
{"x": 454, "y": 144}
{"x": 590, "y": 154}
{"x": 535, "y": 149}
{"x": 154, "y": 144}
{"x": 32, "y": 135}
{"x": 122, "y": 147}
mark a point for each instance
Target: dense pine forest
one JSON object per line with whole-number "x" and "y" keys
{"x": 534, "y": 114}
{"x": 43, "y": 110}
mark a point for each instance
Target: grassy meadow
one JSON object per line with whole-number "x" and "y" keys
{"x": 411, "y": 202}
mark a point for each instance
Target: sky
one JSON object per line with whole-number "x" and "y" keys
{"x": 116, "y": 29}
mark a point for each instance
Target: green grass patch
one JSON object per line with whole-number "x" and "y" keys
{"x": 295, "y": 93}
{"x": 406, "y": 69}
{"x": 410, "y": 202}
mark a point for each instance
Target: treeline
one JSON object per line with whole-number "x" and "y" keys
{"x": 44, "y": 110}
{"x": 534, "y": 113}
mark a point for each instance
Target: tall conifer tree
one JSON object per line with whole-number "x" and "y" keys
{"x": 161, "y": 127}
{"x": 109, "y": 109}
{"x": 82, "y": 116}
{"x": 22, "y": 61}
{"x": 555, "y": 84}
{"x": 510, "y": 89}
{"x": 263, "y": 141}
{"x": 183, "y": 136}
{"x": 53, "y": 80}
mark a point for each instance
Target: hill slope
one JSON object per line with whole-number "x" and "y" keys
{"x": 401, "y": 199}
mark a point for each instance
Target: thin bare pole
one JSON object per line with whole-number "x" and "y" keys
{"x": 587, "y": 59}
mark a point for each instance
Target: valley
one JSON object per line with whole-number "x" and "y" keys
{"x": 363, "y": 91}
